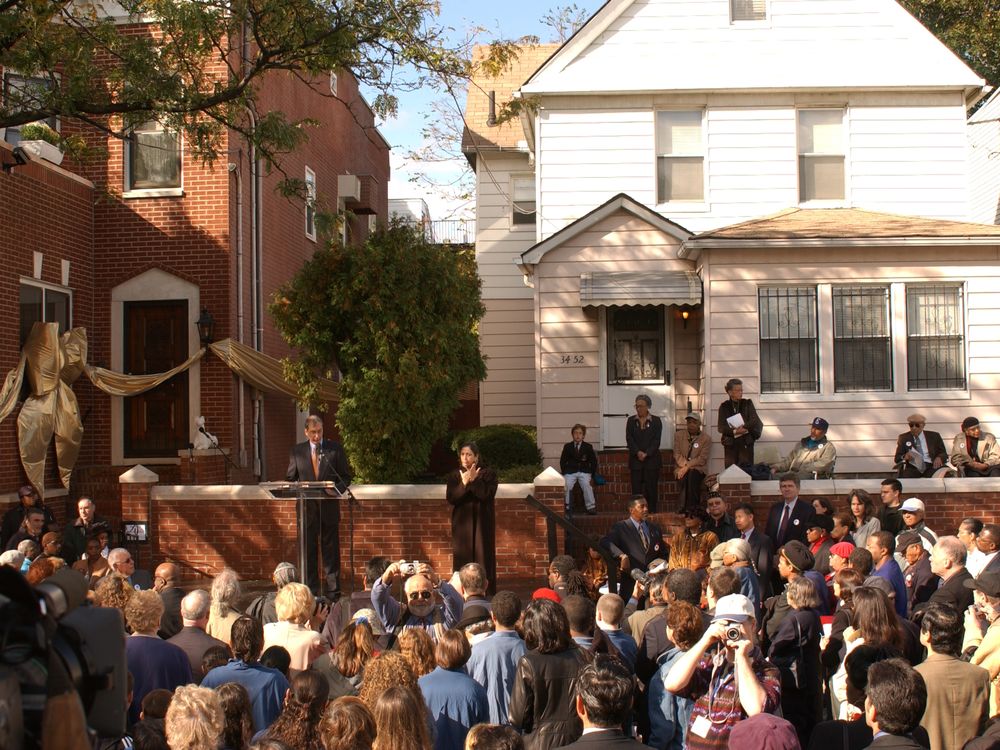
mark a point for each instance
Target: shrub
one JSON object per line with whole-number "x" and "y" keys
{"x": 39, "y": 132}
{"x": 504, "y": 446}
{"x": 520, "y": 474}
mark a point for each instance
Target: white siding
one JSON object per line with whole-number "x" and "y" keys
{"x": 904, "y": 154}
{"x": 864, "y": 426}
{"x": 570, "y": 394}
{"x": 497, "y": 243}
{"x": 507, "y": 339}
{"x": 984, "y": 171}
{"x": 691, "y": 45}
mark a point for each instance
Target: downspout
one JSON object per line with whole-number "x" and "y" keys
{"x": 239, "y": 304}
{"x": 257, "y": 307}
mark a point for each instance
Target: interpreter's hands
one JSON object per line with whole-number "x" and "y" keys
{"x": 470, "y": 474}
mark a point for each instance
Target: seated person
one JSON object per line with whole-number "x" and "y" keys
{"x": 691, "y": 448}
{"x": 975, "y": 453}
{"x": 578, "y": 464}
{"x": 919, "y": 452}
{"x": 814, "y": 456}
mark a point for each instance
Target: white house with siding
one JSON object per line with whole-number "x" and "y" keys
{"x": 984, "y": 161}
{"x": 775, "y": 190}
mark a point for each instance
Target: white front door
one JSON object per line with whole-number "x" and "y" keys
{"x": 634, "y": 361}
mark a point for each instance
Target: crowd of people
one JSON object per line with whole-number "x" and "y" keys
{"x": 829, "y": 625}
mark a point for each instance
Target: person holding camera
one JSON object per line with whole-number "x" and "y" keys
{"x": 726, "y": 675}
{"x": 420, "y": 610}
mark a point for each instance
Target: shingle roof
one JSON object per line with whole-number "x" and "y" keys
{"x": 477, "y": 105}
{"x": 846, "y": 223}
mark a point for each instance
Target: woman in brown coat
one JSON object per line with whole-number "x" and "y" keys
{"x": 472, "y": 489}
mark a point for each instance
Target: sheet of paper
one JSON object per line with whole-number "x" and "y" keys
{"x": 735, "y": 421}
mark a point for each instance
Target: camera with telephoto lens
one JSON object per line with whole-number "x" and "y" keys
{"x": 409, "y": 568}
{"x": 62, "y": 664}
{"x": 734, "y": 633}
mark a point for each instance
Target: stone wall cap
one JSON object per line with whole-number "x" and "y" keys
{"x": 362, "y": 492}
{"x": 734, "y": 475}
{"x": 550, "y": 478}
{"x": 138, "y": 474}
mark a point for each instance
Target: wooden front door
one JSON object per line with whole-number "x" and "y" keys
{"x": 156, "y": 340}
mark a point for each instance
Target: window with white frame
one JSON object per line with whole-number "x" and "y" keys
{"x": 42, "y": 303}
{"x": 789, "y": 352}
{"x": 522, "y": 201}
{"x": 821, "y": 155}
{"x": 748, "y": 10}
{"x": 680, "y": 156}
{"x": 23, "y": 92}
{"x": 862, "y": 339}
{"x": 853, "y": 325}
{"x": 935, "y": 337}
{"x": 153, "y": 157}
{"x": 311, "y": 204}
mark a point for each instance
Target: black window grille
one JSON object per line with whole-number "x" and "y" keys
{"x": 789, "y": 356}
{"x": 635, "y": 345}
{"x": 862, "y": 339}
{"x": 935, "y": 337}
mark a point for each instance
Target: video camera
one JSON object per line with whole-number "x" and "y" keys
{"x": 56, "y": 651}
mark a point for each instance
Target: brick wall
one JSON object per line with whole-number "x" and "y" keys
{"x": 207, "y": 528}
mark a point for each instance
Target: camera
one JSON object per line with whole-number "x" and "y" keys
{"x": 51, "y": 639}
{"x": 640, "y": 576}
{"x": 734, "y": 633}
{"x": 409, "y": 568}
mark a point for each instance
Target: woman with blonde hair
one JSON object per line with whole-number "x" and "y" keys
{"x": 417, "y": 648}
{"x": 394, "y": 713}
{"x": 294, "y": 631}
{"x": 194, "y": 719}
{"x": 223, "y": 613}
{"x": 298, "y": 724}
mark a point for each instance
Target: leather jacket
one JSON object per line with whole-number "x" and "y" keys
{"x": 542, "y": 701}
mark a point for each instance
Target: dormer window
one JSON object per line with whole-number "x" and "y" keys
{"x": 748, "y": 10}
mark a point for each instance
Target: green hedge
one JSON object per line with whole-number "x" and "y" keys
{"x": 504, "y": 448}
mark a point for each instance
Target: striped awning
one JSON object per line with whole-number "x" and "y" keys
{"x": 640, "y": 288}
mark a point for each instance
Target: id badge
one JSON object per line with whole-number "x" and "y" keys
{"x": 700, "y": 726}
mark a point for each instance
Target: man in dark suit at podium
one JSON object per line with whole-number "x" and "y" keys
{"x": 319, "y": 460}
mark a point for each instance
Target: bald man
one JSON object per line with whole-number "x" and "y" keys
{"x": 165, "y": 579}
{"x": 421, "y": 608}
{"x": 192, "y": 639}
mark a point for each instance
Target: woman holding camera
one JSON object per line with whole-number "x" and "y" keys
{"x": 472, "y": 489}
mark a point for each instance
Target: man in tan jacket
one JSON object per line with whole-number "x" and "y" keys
{"x": 982, "y": 627}
{"x": 958, "y": 693}
{"x": 813, "y": 457}
{"x": 691, "y": 448}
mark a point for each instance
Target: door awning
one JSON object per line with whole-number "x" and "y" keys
{"x": 640, "y": 288}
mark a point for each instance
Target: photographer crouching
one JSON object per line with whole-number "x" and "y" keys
{"x": 421, "y": 608}
{"x": 726, "y": 675}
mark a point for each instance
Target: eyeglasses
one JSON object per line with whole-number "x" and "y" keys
{"x": 414, "y": 595}
{"x": 916, "y": 424}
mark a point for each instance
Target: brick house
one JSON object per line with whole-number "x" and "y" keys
{"x": 133, "y": 247}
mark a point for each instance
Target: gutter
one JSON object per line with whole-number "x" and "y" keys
{"x": 692, "y": 246}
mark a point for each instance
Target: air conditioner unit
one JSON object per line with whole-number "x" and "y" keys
{"x": 348, "y": 187}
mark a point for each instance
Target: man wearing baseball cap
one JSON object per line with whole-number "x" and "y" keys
{"x": 725, "y": 673}
{"x": 975, "y": 453}
{"x": 917, "y": 575}
{"x": 912, "y": 511}
{"x": 813, "y": 457}
{"x": 691, "y": 448}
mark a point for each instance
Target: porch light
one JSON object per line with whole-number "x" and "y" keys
{"x": 206, "y": 327}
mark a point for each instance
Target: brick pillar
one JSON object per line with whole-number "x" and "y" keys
{"x": 136, "y": 487}
{"x": 734, "y": 484}
{"x": 203, "y": 466}
{"x": 550, "y": 490}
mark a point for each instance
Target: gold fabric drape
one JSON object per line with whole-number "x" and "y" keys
{"x": 264, "y": 372}
{"x": 52, "y": 363}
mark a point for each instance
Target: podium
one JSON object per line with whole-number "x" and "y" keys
{"x": 301, "y": 492}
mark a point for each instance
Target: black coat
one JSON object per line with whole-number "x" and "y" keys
{"x": 473, "y": 521}
{"x": 751, "y": 421}
{"x": 762, "y": 552}
{"x": 954, "y": 593}
{"x": 921, "y": 583}
{"x": 332, "y": 466}
{"x": 195, "y": 642}
{"x": 543, "y": 700}
{"x": 573, "y": 462}
{"x": 643, "y": 440}
{"x": 935, "y": 446}
{"x": 624, "y": 539}
{"x": 605, "y": 738}
{"x": 802, "y": 514}
{"x": 170, "y": 622}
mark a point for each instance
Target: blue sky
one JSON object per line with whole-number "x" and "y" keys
{"x": 509, "y": 19}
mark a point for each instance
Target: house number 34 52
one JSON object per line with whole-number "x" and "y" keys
{"x": 572, "y": 359}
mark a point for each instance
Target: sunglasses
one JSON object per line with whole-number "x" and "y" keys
{"x": 414, "y": 595}
{"x": 916, "y": 424}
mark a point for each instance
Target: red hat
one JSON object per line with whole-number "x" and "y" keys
{"x": 842, "y": 549}
{"x": 547, "y": 593}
